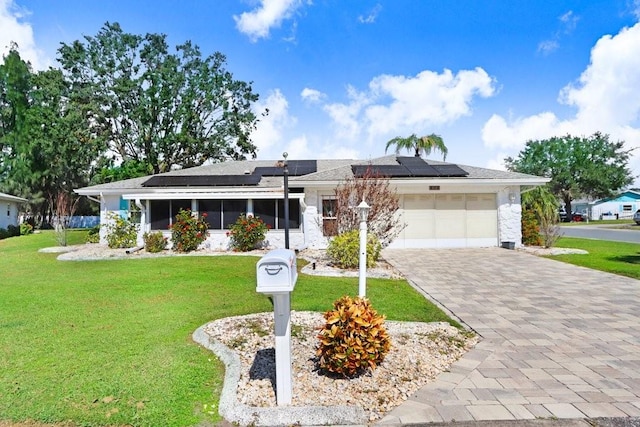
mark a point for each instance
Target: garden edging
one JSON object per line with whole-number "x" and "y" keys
{"x": 234, "y": 411}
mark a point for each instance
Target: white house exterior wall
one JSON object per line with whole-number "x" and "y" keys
{"x": 507, "y": 214}
{"x": 8, "y": 213}
{"x": 109, "y": 204}
{"x": 217, "y": 240}
{"x": 609, "y": 210}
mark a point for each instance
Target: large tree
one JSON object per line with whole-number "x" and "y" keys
{"x": 419, "y": 145}
{"x": 578, "y": 167}
{"x": 46, "y": 150}
{"x": 15, "y": 81}
{"x": 163, "y": 109}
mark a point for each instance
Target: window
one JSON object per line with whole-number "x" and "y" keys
{"x": 8, "y": 209}
{"x": 231, "y": 210}
{"x": 221, "y": 214}
{"x": 162, "y": 212}
{"x": 266, "y": 211}
{"x": 329, "y": 220}
{"x": 213, "y": 209}
{"x": 627, "y": 208}
{"x": 294, "y": 214}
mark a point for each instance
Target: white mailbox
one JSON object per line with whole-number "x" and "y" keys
{"x": 276, "y": 275}
{"x": 277, "y": 272}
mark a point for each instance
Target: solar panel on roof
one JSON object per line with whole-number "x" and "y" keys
{"x": 296, "y": 168}
{"x": 411, "y": 161}
{"x": 201, "y": 180}
{"x": 410, "y": 167}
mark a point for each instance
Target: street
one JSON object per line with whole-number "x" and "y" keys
{"x": 602, "y": 232}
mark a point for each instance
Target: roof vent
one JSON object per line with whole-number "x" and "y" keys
{"x": 247, "y": 172}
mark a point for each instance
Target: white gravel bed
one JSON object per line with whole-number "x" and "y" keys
{"x": 420, "y": 351}
{"x": 542, "y": 251}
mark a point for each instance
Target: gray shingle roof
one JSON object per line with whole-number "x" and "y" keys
{"x": 5, "y": 196}
{"x": 330, "y": 170}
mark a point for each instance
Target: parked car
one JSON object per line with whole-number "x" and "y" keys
{"x": 636, "y": 217}
{"x": 563, "y": 215}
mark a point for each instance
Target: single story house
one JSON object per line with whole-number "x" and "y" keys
{"x": 624, "y": 205}
{"x": 9, "y": 210}
{"x": 442, "y": 204}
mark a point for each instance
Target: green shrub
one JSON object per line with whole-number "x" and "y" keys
{"x": 344, "y": 250}
{"x": 13, "y": 230}
{"x": 530, "y": 229}
{"x": 353, "y": 339}
{"x": 188, "y": 231}
{"x": 26, "y": 228}
{"x": 121, "y": 233}
{"x": 154, "y": 242}
{"x": 247, "y": 232}
{"x": 93, "y": 236}
{"x": 4, "y": 233}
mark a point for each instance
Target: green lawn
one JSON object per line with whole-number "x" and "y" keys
{"x": 109, "y": 342}
{"x": 613, "y": 257}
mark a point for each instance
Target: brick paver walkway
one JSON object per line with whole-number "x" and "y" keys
{"x": 559, "y": 341}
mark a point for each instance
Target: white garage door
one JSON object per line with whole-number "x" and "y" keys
{"x": 449, "y": 220}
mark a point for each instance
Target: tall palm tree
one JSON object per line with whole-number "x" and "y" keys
{"x": 420, "y": 144}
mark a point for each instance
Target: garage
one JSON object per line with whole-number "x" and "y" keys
{"x": 448, "y": 220}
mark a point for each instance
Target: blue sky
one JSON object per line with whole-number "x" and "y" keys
{"x": 341, "y": 78}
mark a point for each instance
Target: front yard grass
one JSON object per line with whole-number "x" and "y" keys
{"x": 109, "y": 342}
{"x": 613, "y": 257}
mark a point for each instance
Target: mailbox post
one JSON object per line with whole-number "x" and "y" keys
{"x": 276, "y": 276}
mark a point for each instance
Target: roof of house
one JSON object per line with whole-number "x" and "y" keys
{"x": 625, "y": 196}
{"x": 325, "y": 171}
{"x": 4, "y": 196}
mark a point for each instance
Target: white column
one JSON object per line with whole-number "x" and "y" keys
{"x": 282, "y": 319}
{"x": 362, "y": 284}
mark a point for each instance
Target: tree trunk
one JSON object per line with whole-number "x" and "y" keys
{"x": 567, "y": 205}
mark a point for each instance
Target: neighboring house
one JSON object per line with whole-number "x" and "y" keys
{"x": 9, "y": 209}
{"x": 442, "y": 204}
{"x": 623, "y": 205}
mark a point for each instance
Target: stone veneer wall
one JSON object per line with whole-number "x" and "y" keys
{"x": 509, "y": 216}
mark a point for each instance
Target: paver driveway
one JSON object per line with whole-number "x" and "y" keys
{"x": 558, "y": 340}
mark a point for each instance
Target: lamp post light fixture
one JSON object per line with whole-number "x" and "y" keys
{"x": 286, "y": 200}
{"x": 363, "y": 213}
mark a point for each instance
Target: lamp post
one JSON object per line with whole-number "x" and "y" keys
{"x": 363, "y": 213}
{"x": 286, "y": 200}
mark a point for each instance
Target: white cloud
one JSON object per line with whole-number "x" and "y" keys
{"x": 269, "y": 131}
{"x": 498, "y": 133}
{"x": 635, "y": 8}
{"x": 371, "y": 17}
{"x": 312, "y": 95}
{"x": 426, "y": 100}
{"x": 271, "y": 13}
{"x": 13, "y": 29}
{"x": 497, "y": 162}
{"x": 607, "y": 91}
{"x": 605, "y": 98}
{"x": 298, "y": 149}
{"x": 347, "y": 118}
{"x": 547, "y": 46}
{"x": 568, "y": 23}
